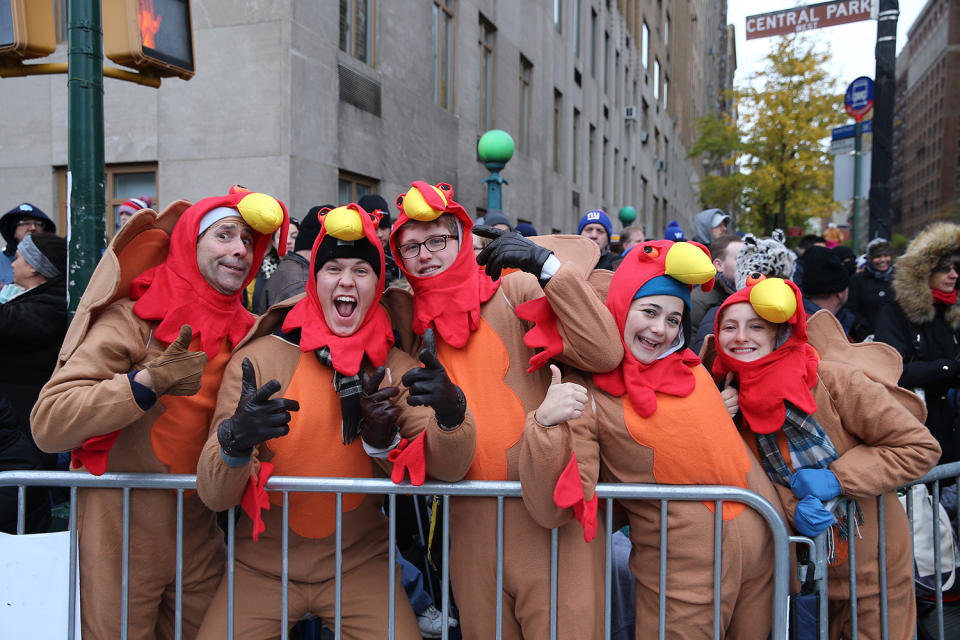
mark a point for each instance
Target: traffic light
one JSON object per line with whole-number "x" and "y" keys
{"x": 26, "y": 29}
{"x": 154, "y": 36}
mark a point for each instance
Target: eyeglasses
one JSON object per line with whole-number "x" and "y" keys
{"x": 432, "y": 244}
{"x": 946, "y": 267}
{"x": 36, "y": 224}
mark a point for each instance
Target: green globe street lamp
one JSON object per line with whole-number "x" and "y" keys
{"x": 627, "y": 215}
{"x": 495, "y": 148}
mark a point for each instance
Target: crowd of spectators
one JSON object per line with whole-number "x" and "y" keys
{"x": 245, "y": 290}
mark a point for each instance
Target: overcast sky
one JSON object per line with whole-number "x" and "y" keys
{"x": 851, "y": 45}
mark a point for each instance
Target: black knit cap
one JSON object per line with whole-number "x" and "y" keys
{"x": 309, "y": 229}
{"x": 823, "y": 272}
{"x": 372, "y": 203}
{"x": 331, "y": 248}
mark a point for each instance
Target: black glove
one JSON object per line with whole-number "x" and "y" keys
{"x": 257, "y": 419}
{"x": 430, "y": 386}
{"x": 379, "y": 425}
{"x": 510, "y": 249}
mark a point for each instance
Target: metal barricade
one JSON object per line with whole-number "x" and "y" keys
{"x": 128, "y": 482}
{"x": 939, "y": 474}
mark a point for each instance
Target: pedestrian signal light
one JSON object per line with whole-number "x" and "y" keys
{"x": 154, "y": 36}
{"x": 26, "y": 29}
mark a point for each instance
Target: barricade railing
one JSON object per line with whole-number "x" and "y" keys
{"x": 938, "y": 475}
{"x": 607, "y": 493}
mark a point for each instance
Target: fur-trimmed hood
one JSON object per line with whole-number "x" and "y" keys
{"x": 911, "y": 279}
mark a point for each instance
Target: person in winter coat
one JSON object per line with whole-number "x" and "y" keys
{"x": 822, "y": 429}
{"x": 134, "y": 390}
{"x": 872, "y": 288}
{"x": 924, "y": 326}
{"x": 18, "y": 453}
{"x": 657, "y": 418}
{"x": 32, "y": 326}
{"x": 710, "y": 224}
{"x": 14, "y": 225}
{"x": 348, "y": 397}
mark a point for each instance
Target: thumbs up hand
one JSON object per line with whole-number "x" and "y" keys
{"x": 430, "y": 386}
{"x": 564, "y": 401}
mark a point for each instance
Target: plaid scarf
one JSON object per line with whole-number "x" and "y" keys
{"x": 810, "y": 448}
{"x": 348, "y": 388}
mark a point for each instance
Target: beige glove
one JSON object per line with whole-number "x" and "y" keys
{"x": 177, "y": 371}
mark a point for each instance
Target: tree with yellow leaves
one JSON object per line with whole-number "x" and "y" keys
{"x": 772, "y": 163}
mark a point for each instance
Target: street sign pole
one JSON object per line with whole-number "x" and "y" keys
{"x": 883, "y": 134}
{"x": 86, "y": 175}
{"x": 856, "y": 187}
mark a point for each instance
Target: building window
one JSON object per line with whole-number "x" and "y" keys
{"x": 124, "y": 181}
{"x": 558, "y": 15}
{"x": 593, "y": 43}
{"x": 576, "y": 145}
{"x": 443, "y": 53}
{"x": 557, "y": 110}
{"x": 353, "y": 186}
{"x": 645, "y": 46}
{"x": 606, "y": 62}
{"x": 656, "y": 79}
{"x": 591, "y": 158}
{"x": 616, "y": 175}
{"x": 666, "y": 90}
{"x": 576, "y": 28}
{"x": 666, "y": 34}
{"x": 356, "y": 29}
{"x": 487, "y": 33}
{"x": 526, "y": 81}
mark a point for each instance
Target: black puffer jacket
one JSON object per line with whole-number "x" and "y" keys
{"x": 17, "y": 453}
{"x": 926, "y": 334}
{"x": 870, "y": 291}
{"x": 32, "y": 327}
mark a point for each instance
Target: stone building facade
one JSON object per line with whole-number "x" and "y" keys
{"x": 600, "y": 96}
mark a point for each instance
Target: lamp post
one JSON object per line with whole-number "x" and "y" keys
{"x": 495, "y": 148}
{"x": 627, "y": 215}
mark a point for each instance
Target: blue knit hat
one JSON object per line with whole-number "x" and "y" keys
{"x": 597, "y": 216}
{"x": 674, "y": 232}
{"x": 526, "y": 229}
{"x": 664, "y": 286}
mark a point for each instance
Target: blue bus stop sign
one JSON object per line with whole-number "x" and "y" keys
{"x": 858, "y": 101}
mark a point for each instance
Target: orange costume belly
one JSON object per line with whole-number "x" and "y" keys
{"x": 314, "y": 448}
{"x": 693, "y": 439}
{"x": 179, "y": 434}
{"x": 479, "y": 369}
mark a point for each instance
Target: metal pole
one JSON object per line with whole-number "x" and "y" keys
{"x": 494, "y": 182}
{"x": 884, "y": 90}
{"x": 85, "y": 170}
{"x": 856, "y": 187}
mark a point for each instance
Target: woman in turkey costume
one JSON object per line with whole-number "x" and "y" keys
{"x": 659, "y": 418}
{"x": 822, "y": 428}
{"x": 329, "y": 354}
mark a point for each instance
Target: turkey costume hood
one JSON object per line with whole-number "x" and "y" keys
{"x": 347, "y": 231}
{"x": 652, "y": 268}
{"x": 450, "y": 300}
{"x": 175, "y": 293}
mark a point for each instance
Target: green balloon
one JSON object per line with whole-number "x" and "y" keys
{"x": 627, "y": 214}
{"x": 495, "y": 145}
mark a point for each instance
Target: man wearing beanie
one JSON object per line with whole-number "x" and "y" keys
{"x": 826, "y": 286}
{"x": 346, "y": 404}
{"x": 596, "y": 226}
{"x": 134, "y": 391}
{"x": 481, "y": 322}
{"x": 14, "y": 225}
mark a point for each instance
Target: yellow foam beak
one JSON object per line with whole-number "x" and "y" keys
{"x": 773, "y": 300}
{"x": 262, "y": 212}
{"x": 689, "y": 264}
{"x": 417, "y": 208}
{"x": 344, "y": 224}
